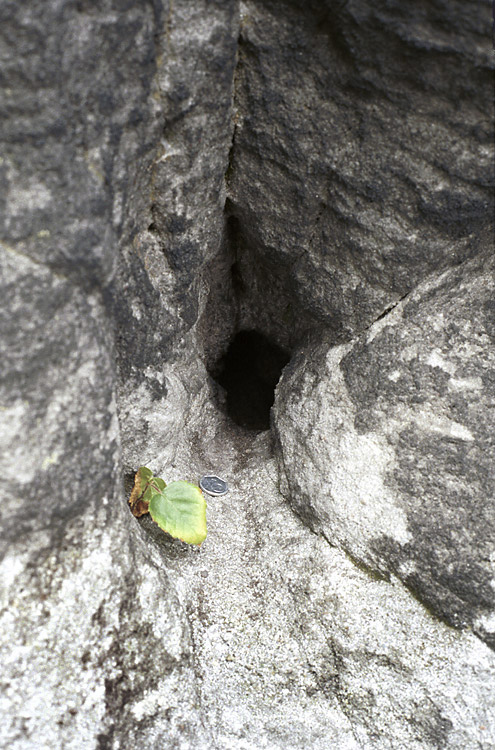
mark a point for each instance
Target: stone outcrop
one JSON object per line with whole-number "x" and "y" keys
{"x": 356, "y": 172}
{"x": 387, "y": 444}
{"x": 172, "y": 174}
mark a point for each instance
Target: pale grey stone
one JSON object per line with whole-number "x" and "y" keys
{"x": 171, "y": 173}
{"x": 387, "y": 443}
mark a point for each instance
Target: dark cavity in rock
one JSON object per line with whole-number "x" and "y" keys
{"x": 249, "y": 371}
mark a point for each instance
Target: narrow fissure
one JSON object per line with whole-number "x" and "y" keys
{"x": 244, "y": 351}
{"x": 244, "y": 360}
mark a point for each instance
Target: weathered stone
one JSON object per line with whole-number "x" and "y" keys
{"x": 138, "y": 235}
{"x": 362, "y": 156}
{"x": 160, "y": 291}
{"x": 90, "y": 624}
{"x": 387, "y": 443}
{"x": 296, "y": 646}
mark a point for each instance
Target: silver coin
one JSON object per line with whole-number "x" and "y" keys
{"x": 213, "y": 485}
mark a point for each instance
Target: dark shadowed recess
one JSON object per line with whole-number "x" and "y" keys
{"x": 249, "y": 371}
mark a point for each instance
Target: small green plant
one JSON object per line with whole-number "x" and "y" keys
{"x": 178, "y": 508}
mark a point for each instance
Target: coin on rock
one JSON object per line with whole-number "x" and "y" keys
{"x": 213, "y": 485}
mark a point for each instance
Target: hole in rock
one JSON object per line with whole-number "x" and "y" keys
{"x": 249, "y": 371}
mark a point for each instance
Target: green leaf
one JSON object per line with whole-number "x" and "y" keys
{"x": 148, "y": 493}
{"x": 180, "y": 510}
{"x": 155, "y": 485}
{"x": 145, "y": 473}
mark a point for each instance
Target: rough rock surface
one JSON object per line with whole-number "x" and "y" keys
{"x": 362, "y": 156}
{"x": 174, "y": 172}
{"x": 387, "y": 443}
{"x": 294, "y": 645}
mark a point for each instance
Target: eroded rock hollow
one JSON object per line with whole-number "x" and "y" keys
{"x": 251, "y": 239}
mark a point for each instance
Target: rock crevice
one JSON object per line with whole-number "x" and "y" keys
{"x": 313, "y": 180}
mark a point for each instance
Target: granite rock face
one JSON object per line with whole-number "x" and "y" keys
{"x": 362, "y": 157}
{"x": 93, "y": 315}
{"x": 161, "y": 288}
{"x": 387, "y": 443}
{"x": 173, "y": 173}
